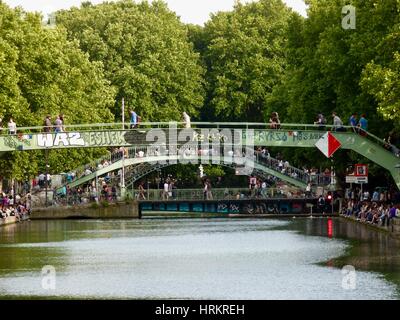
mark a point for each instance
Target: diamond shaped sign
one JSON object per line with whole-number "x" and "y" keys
{"x": 328, "y": 144}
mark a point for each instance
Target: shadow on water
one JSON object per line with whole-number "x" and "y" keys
{"x": 369, "y": 249}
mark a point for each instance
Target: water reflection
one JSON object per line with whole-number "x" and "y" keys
{"x": 199, "y": 258}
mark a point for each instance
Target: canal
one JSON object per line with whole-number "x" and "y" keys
{"x": 158, "y": 258}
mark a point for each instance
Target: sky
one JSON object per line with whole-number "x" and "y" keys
{"x": 190, "y": 11}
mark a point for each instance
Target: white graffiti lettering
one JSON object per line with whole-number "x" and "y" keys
{"x": 55, "y": 140}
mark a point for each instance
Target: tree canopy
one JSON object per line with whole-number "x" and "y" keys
{"x": 146, "y": 54}
{"x": 42, "y": 72}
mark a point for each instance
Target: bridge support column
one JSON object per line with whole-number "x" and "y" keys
{"x": 396, "y": 175}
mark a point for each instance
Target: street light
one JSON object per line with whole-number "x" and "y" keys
{"x": 47, "y": 172}
{"x": 123, "y": 153}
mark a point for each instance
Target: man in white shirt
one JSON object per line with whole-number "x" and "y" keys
{"x": 12, "y": 127}
{"x": 337, "y": 123}
{"x": 166, "y": 190}
{"x": 186, "y": 119}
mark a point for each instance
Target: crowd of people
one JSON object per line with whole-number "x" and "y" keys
{"x": 378, "y": 208}
{"x": 85, "y": 194}
{"x": 373, "y": 212}
{"x": 20, "y": 208}
{"x": 312, "y": 175}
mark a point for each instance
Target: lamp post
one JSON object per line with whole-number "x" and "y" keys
{"x": 123, "y": 153}
{"x": 397, "y": 166}
{"x": 46, "y": 181}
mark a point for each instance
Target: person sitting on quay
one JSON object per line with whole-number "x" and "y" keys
{"x": 371, "y": 212}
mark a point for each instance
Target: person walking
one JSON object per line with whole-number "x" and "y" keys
{"x": 274, "y": 122}
{"x": 47, "y": 124}
{"x": 58, "y": 125}
{"x": 363, "y": 125}
{"x": 12, "y": 127}
{"x": 62, "y": 118}
{"x": 353, "y": 122}
{"x": 134, "y": 119}
{"x": 166, "y": 190}
{"x": 186, "y": 119}
{"x": 337, "y": 123}
{"x": 209, "y": 192}
{"x": 320, "y": 121}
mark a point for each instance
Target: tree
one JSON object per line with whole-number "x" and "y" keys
{"x": 146, "y": 55}
{"x": 42, "y": 72}
{"x": 245, "y": 58}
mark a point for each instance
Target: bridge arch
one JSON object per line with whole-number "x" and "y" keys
{"x": 261, "y": 168}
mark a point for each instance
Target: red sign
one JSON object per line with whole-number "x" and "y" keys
{"x": 361, "y": 170}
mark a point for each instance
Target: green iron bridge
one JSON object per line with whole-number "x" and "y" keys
{"x": 117, "y": 135}
{"x": 142, "y": 160}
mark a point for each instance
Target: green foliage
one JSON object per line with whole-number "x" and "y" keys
{"x": 245, "y": 58}
{"x": 105, "y": 204}
{"x": 214, "y": 172}
{"x": 333, "y": 69}
{"x": 146, "y": 55}
{"x": 94, "y": 205}
{"x": 42, "y": 72}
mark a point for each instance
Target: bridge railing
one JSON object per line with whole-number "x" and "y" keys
{"x": 145, "y": 151}
{"x": 101, "y": 197}
{"x": 199, "y": 125}
{"x": 214, "y": 194}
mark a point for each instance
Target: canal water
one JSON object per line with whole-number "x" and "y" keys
{"x": 158, "y": 258}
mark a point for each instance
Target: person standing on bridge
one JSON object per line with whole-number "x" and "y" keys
{"x": 12, "y": 127}
{"x": 209, "y": 195}
{"x": 363, "y": 125}
{"x": 337, "y": 122}
{"x": 274, "y": 122}
{"x": 47, "y": 124}
{"x": 353, "y": 121}
{"x": 166, "y": 190}
{"x": 58, "y": 125}
{"x": 62, "y": 122}
{"x": 320, "y": 121}
{"x": 134, "y": 119}
{"x": 186, "y": 120}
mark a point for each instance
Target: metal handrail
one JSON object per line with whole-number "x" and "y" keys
{"x": 143, "y": 125}
{"x": 216, "y": 194}
{"x": 133, "y": 152}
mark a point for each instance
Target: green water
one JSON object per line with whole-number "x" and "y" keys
{"x": 197, "y": 259}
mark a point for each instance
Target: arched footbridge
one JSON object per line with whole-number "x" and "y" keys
{"x": 141, "y": 161}
{"x": 116, "y": 135}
